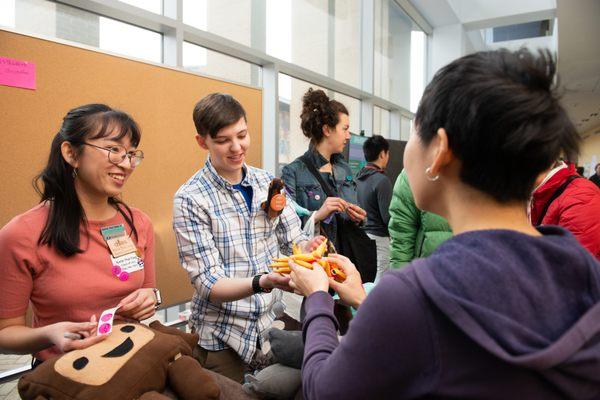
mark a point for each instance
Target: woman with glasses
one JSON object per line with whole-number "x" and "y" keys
{"x": 81, "y": 250}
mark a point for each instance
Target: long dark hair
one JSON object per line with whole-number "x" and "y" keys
{"x": 55, "y": 184}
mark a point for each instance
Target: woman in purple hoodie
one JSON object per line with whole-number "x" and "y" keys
{"x": 502, "y": 310}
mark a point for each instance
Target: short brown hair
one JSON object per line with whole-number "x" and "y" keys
{"x": 216, "y": 111}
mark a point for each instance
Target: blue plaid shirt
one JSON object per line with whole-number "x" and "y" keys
{"x": 218, "y": 236}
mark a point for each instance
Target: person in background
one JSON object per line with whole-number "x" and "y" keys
{"x": 502, "y": 310}
{"x": 226, "y": 241}
{"x": 596, "y": 177}
{"x": 374, "y": 196}
{"x": 563, "y": 197}
{"x": 326, "y": 123}
{"x": 57, "y": 257}
{"x": 413, "y": 233}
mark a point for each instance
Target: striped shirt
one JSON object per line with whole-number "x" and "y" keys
{"x": 219, "y": 236}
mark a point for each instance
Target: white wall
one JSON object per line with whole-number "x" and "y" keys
{"x": 446, "y": 44}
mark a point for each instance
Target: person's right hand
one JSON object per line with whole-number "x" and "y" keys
{"x": 331, "y": 205}
{"x": 351, "y": 291}
{"x": 87, "y": 330}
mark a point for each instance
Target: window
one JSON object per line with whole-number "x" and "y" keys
{"x": 405, "y": 128}
{"x": 394, "y": 43}
{"x": 130, "y": 40}
{"x": 155, "y": 6}
{"x": 381, "y": 122}
{"x": 329, "y": 44}
{"x": 292, "y": 142}
{"x": 208, "y": 62}
{"x": 58, "y": 20}
{"x": 522, "y": 31}
{"x": 231, "y": 19}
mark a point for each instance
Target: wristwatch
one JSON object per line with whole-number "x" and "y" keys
{"x": 256, "y": 288}
{"x": 158, "y": 297}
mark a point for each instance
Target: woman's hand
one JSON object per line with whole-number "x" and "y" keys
{"x": 306, "y": 281}
{"x": 310, "y": 245}
{"x": 351, "y": 291}
{"x": 139, "y": 305}
{"x": 274, "y": 280}
{"x": 331, "y": 205}
{"x": 67, "y": 336}
{"x": 356, "y": 213}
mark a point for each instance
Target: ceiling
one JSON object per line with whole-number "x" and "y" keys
{"x": 578, "y": 44}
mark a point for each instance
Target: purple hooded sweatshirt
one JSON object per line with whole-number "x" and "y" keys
{"x": 492, "y": 314}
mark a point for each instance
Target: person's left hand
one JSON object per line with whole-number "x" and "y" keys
{"x": 139, "y": 305}
{"x": 310, "y": 245}
{"x": 356, "y": 213}
{"x": 306, "y": 281}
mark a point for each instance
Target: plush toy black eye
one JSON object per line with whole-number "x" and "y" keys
{"x": 80, "y": 363}
{"x": 127, "y": 328}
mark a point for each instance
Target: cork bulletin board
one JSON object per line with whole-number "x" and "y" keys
{"x": 160, "y": 99}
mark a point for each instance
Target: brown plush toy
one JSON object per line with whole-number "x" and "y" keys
{"x": 275, "y": 202}
{"x": 133, "y": 362}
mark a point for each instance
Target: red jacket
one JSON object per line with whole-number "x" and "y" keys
{"x": 576, "y": 209}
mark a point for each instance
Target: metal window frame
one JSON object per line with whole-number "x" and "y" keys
{"x": 175, "y": 32}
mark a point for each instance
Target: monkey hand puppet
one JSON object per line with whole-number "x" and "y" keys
{"x": 133, "y": 362}
{"x": 275, "y": 202}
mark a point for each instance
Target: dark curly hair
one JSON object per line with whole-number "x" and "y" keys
{"x": 318, "y": 111}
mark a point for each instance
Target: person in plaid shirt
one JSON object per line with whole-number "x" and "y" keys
{"x": 226, "y": 241}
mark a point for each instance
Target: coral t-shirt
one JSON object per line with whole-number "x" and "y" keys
{"x": 66, "y": 288}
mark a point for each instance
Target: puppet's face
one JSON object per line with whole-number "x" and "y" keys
{"x": 97, "y": 364}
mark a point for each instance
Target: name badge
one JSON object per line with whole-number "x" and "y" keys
{"x": 123, "y": 266}
{"x": 113, "y": 231}
{"x": 121, "y": 245}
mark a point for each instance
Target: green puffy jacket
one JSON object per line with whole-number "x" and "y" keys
{"x": 413, "y": 233}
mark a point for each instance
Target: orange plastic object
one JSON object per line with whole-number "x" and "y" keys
{"x": 277, "y": 202}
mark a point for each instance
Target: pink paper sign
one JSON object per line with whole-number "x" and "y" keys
{"x": 17, "y": 73}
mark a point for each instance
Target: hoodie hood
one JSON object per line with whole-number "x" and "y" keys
{"x": 367, "y": 171}
{"x": 531, "y": 301}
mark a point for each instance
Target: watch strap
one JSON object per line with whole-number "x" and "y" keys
{"x": 256, "y": 288}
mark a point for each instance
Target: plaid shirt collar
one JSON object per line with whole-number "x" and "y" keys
{"x": 248, "y": 180}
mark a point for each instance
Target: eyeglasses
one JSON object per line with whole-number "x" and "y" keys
{"x": 117, "y": 153}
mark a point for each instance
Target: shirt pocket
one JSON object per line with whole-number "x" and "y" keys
{"x": 311, "y": 196}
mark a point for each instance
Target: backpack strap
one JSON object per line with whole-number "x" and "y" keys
{"x": 554, "y": 196}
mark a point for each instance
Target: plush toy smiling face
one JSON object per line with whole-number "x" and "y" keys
{"x": 96, "y": 365}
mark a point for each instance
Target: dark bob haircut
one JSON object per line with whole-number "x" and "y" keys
{"x": 215, "y": 112}
{"x": 502, "y": 117}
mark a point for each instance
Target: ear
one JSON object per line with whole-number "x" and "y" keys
{"x": 68, "y": 153}
{"x": 442, "y": 154}
{"x": 326, "y": 130}
{"x": 201, "y": 142}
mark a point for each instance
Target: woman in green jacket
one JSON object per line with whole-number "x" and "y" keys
{"x": 413, "y": 233}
